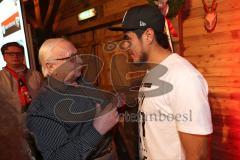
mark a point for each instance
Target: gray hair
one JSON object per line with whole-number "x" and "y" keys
{"x": 45, "y": 52}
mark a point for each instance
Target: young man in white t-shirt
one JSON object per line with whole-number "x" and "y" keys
{"x": 175, "y": 118}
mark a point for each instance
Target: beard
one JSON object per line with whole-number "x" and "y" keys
{"x": 143, "y": 57}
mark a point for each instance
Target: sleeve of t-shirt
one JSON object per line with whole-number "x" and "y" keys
{"x": 191, "y": 107}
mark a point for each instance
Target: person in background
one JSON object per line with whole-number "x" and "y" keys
{"x": 68, "y": 138}
{"x": 19, "y": 85}
{"x": 13, "y": 143}
{"x": 175, "y": 118}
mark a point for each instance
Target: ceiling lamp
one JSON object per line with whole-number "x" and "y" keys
{"x": 87, "y": 14}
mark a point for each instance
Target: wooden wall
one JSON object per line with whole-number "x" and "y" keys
{"x": 216, "y": 55}
{"x": 89, "y": 37}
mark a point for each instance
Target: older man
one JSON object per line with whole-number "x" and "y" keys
{"x": 62, "y": 118}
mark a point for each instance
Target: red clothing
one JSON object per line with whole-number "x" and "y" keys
{"x": 10, "y": 86}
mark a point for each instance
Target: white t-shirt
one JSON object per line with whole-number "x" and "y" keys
{"x": 173, "y": 97}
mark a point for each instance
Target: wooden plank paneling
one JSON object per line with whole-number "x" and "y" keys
{"x": 105, "y": 79}
{"x": 225, "y": 106}
{"x": 105, "y": 35}
{"x": 122, "y": 5}
{"x": 223, "y": 81}
{"x": 216, "y": 55}
{"x": 218, "y": 61}
{"x": 226, "y": 48}
{"x": 214, "y": 38}
{"x": 70, "y": 24}
{"x": 223, "y": 6}
{"x": 82, "y": 38}
{"x": 77, "y": 6}
{"x": 226, "y": 21}
{"x": 221, "y": 71}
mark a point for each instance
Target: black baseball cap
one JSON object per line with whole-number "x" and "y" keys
{"x": 142, "y": 17}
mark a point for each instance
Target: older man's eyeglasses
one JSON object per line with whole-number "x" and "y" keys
{"x": 72, "y": 58}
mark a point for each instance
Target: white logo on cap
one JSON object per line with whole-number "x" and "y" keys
{"x": 142, "y": 24}
{"x": 124, "y": 16}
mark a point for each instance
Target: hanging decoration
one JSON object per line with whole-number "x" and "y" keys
{"x": 210, "y": 19}
{"x": 170, "y": 9}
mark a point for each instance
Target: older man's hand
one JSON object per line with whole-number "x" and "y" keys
{"x": 105, "y": 119}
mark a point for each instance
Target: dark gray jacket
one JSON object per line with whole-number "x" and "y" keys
{"x": 60, "y": 126}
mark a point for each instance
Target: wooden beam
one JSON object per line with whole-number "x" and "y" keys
{"x": 38, "y": 13}
{"x": 58, "y": 16}
{"x": 49, "y": 12}
{"x": 32, "y": 22}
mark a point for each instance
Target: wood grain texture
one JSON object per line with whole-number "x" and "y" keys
{"x": 216, "y": 55}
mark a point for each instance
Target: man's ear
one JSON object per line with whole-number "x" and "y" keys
{"x": 149, "y": 34}
{"x": 50, "y": 67}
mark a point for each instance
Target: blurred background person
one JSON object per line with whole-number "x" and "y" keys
{"x": 18, "y": 83}
{"x": 13, "y": 144}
